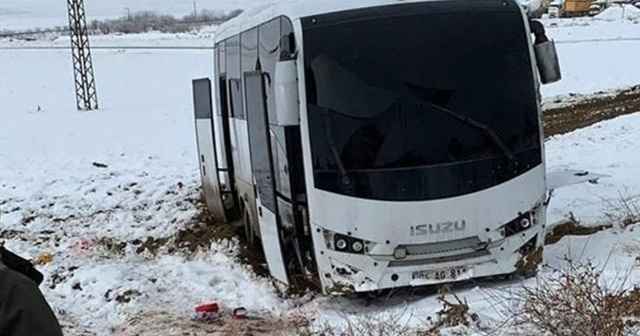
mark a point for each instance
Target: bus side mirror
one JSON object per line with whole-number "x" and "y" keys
{"x": 547, "y": 59}
{"x": 546, "y": 55}
{"x": 286, "y": 93}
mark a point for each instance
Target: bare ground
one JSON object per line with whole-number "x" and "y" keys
{"x": 162, "y": 323}
{"x": 581, "y": 112}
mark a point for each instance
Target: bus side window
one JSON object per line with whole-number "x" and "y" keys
{"x": 269, "y": 53}
{"x": 221, "y": 68}
{"x": 233, "y": 77}
{"x": 248, "y": 54}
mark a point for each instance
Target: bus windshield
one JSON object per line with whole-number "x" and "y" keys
{"x": 420, "y": 101}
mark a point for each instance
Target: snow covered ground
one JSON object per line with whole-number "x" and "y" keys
{"x": 624, "y": 12}
{"x": 28, "y": 14}
{"x": 57, "y": 197}
{"x": 595, "y": 55}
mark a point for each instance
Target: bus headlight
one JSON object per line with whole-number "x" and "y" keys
{"x": 344, "y": 243}
{"x": 522, "y": 222}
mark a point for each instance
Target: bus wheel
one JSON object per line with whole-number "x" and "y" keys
{"x": 249, "y": 234}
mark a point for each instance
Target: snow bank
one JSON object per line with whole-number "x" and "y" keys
{"x": 623, "y": 12}
{"x": 609, "y": 147}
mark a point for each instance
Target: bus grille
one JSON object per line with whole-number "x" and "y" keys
{"x": 441, "y": 252}
{"x": 473, "y": 243}
{"x": 437, "y": 260}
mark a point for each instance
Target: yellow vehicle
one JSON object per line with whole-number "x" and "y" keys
{"x": 573, "y": 8}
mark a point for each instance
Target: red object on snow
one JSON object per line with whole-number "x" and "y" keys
{"x": 208, "y": 308}
{"x": 83, "y": 244}
{"x": 240, "y": 313}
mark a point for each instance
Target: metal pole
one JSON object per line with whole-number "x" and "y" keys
{"x": 86, "y": 96}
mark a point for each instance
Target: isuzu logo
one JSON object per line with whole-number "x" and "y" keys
{"x": 438, "y": 228}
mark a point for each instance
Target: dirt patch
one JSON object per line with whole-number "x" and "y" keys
{"x": 10, "y": 234}
{"x": 158, "y": 322}
{"x": 59, "y": 275}
{"x": 529, "y": 263}
{"x": 254, "y": 256}
{"x": 205, "y": 229}
{"x": 112, "y": 245}
{"x": 26, "y": 220}
{"x": 197, "y": 235}
{"x": 127, "y": 296}
{"x": 202, "y": 231}
{"x": 151, "y": 244}
{"x": 588, "y": 111}
{"x": 572, "y": 227}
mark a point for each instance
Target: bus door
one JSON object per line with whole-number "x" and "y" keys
{"x": 224, "y": 158}
{"x": 206, "y": 147}
{"x": 263, "y": 174}
{"x": 216, "y": 168}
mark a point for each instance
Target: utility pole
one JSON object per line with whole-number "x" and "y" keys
{"x": 86, "y": 97}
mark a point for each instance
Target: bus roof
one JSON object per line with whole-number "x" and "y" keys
{"x": 294, "y": 9}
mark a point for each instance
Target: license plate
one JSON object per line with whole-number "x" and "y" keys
{"x": 444, "y": 274}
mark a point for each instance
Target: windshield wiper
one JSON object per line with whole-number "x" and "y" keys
{"x": 345, "y": 181}
{"x": 488, "y": 131}
{"x": 477, "y": 124}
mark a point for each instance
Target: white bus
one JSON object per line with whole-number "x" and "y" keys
{"x": 372, "y": 144}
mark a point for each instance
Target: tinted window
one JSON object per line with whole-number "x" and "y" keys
{"x": 269, "y": 48}
{"x": 420, "y": 101}
{"x": 202, "y": 98}
{"x": 234, "y": 81}
{"x": 219, "y": 58}
{"x": 249, "y": 50}
{"x": 259, "y": 139}
{"x": 222, "y": 57}
{"x": 249, "y": 42}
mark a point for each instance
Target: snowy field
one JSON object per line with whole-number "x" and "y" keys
{"x": 596, "y": 54}
{"x": 57, "y": 196}
{"x": 28, "y": 14}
